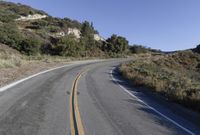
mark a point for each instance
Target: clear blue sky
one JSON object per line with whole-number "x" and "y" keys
{"x": 161, "y": 24}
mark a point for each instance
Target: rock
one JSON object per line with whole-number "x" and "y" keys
{"x": 31, "y": 17}
{"x": 97, "y": 37}
{"x": 74, "y": 31}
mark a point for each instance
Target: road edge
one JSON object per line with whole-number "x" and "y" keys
{"x": 150, "y": 107}
{"x": 6, "y": 87}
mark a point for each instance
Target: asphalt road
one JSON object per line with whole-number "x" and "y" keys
{"x": 107, "y": 105}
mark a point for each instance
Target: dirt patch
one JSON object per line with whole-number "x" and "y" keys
{"x": 7, "y": 49}
{"x": 8, "y": 75}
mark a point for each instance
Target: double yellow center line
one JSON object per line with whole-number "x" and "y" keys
{"x": 75, "y": 117}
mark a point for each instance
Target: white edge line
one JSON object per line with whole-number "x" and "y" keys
{"x": 139, "y": 100}
{"x": 4, "y": 88}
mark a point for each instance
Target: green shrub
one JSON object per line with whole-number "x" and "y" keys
{"x": 53, "y": 29}
{"x": 40, "y": 23}
{"x": 68, "y": 46}
{"x": 22, "y": 10}
{"x": 10, "y": 35}
{"x": 30, "y": 46}
{"x": 34, "y": 27}
{"x": 197, "y": 49}
{"x": 138, "y": 49}
{"x": 7, "y": 17}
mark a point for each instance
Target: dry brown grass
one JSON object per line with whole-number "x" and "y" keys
{"x": 10, "y": 58}
{"x": 176, "y": 76}
{"x": 14, "y": 66}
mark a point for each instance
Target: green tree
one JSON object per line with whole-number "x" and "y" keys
{"x": 197, "y": 49}
{"x": 68, "y": 46}
{"x": 87, "y": 37}
{"x": 117, "y": 44}
{"x": 138, "y": 49}
{"x": 87, "y": 29}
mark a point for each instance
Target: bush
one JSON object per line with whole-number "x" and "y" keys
{"x": 34, "y": 27}
{"x": 138, "y": 49}
{"x": 30, "y": 46}
{"x": 87, "y": 29}
{"x": 10, "y": 35}
{"x": 175, "y": 76}
{"x": 68, "y": 46}
{"x": 53, "y": 29}
{"x": 22, "y": 10}
{"x": 197, "y": 49}
{"x": 7, "y": 17}
{"x": 40, "y": 23}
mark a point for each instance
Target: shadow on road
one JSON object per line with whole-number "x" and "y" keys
{"x": 179, "y": 114}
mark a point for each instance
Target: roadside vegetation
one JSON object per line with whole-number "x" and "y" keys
{"x": 140, "y": 49}
{"x": 14, "y": 65}
{"x": 176, "y": 76}
{"x": 11, "y": 58}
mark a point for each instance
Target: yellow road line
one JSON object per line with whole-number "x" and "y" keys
{"x": 75, "y": 117}
{"x": 71, "y": 112}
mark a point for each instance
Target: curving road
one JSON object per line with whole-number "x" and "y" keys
{"x": 89, "y": 98}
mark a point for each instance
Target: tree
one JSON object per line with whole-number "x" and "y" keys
{"x": 197, "y": 49}
{"x": 138, "y": 49}
{"x": 87, "y": 29}
{"x": 87, "y": 36}
{"x": 117, "y": 44}
{"x": 68, "y": 46}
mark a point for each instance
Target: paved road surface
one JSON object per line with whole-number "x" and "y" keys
{"x": 42, "y": 105}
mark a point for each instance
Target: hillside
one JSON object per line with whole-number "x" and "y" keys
{"x": 34, "y": 32}
{"x": 176, "y": 76}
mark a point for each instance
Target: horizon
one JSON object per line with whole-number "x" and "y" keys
{"x": 168, "y": 26}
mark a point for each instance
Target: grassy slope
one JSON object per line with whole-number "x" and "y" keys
{"x": 176, "y": 76}
{"x": 9, "y": 57}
